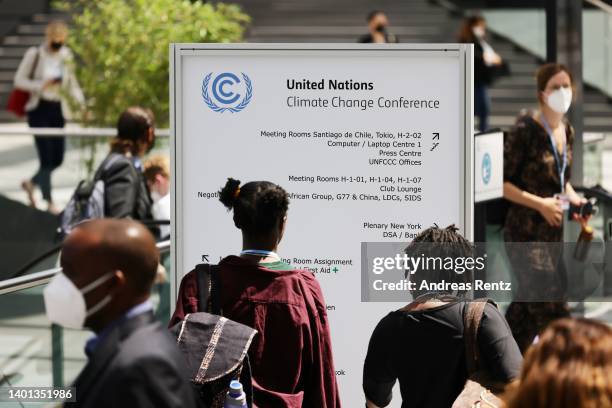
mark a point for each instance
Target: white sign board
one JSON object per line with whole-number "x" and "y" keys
{"x": 373, "y": 142}
{"x": 489, "y": 166}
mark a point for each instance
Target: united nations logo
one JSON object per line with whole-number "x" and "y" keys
{"x": 227, "y": 89}
{"x": 486, "y": 168}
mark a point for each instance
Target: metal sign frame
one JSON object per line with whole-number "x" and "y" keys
{"x": 464, "y": 52}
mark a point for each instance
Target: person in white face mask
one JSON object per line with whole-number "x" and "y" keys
{"x": 108, "y": 270}
{"x": 47, "y": 73}
{"x": 537, "y": 169}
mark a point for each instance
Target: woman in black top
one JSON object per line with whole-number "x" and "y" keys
{"x": 487, "y": 66}
{"x": 378, "y": 25}
{"x": 538, "y": 156}
{"x": 422, "y": 344}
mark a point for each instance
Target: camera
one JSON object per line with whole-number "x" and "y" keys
{"x": 587, "y": 209}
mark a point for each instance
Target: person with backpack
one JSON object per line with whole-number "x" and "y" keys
{"x": 291, "y": 354}
{"x": 126, "y": 191}
{"x": 118, "y": 189}
{"x": 44, "y": 83}
{"x": 440, "y": 340}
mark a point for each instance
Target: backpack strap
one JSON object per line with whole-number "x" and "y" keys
{"x": 204, "y": 286}
{"x": 34, "y": 64}
{"x": 207, "y": 279}
{"x": 107, "y": 164}
{"x": 85, "y": 187}
{"x": 246, "y": 379}
{"x": 472, "y": 316}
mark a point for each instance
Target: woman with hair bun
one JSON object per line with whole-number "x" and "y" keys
{"x": 291, "y": 355}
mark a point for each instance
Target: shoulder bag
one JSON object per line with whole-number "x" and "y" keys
{"x": 18, "y": 98}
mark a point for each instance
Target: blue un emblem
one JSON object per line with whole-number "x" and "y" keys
{"x": 486, "y": 168}
{"x": 227, "y": 92}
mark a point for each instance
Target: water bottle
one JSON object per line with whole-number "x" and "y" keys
{"x": 235, "y": 398}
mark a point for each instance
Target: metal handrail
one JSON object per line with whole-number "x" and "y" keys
{"x": 597, "y": 192}
{"x": 163, "y": 246}
{"x": 601, "y": 5}
{"x": 69, "y": 131}
{"x": 38, "y": 259}
{"x": 58, "y": 248}
{"x": 27, "y": 281}
{"x": 43, "y": 277}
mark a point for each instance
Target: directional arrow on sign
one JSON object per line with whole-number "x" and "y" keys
{"x": 204, "y": 258}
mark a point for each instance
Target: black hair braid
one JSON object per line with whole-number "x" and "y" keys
{"x": 449, "y": 238}
{"x": 442, "y": 243}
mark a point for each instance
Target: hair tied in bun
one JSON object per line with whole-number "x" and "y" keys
{"x": 229, "y": 193}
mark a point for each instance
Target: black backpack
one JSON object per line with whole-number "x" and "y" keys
{"x": 87, "y": 201}
{"x": 224, "y": 357}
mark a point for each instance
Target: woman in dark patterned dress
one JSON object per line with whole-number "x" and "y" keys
{"x": 537, "y": 168}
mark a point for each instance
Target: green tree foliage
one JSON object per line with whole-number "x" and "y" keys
{"x": 122, "y": 48}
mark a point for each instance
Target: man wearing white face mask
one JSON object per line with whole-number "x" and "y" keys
{"x": 537, "y": 169}
{"x": 108, "y": 269}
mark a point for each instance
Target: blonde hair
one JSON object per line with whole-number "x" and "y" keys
{"x": 56, "y": 27}
{"x": 569, "y": 367}
{"x": 157, "y": 164}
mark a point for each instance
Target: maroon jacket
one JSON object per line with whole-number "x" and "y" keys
{"x": 291, "y": 355}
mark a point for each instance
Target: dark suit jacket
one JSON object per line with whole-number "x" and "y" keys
{"x": 136, "y": 365}
{"x": 126, "y": 194}
{"x": 125, "y": 191}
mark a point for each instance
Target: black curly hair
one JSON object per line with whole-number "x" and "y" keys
{"x": 443, "y": 243}
{"x": 449, "y": 234}
{"x": 258, "y": 206}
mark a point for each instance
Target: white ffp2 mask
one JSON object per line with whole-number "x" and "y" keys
{"x": 65, "y": 304}
{"x": 479, "y": 32}
{"x": 560, "y": 100}
{"x": 155, "y": 196}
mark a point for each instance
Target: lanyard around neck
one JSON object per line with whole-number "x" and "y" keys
{"x": 561, "y": 165}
